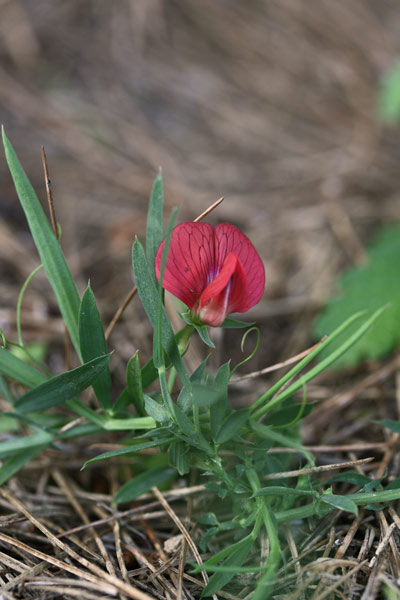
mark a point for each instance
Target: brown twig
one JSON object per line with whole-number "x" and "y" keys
{"x": 208, "y": 210}
{"x": 119, "y": 312}
{"x": 50, "y": 201}
{"x": 321, "y": 469}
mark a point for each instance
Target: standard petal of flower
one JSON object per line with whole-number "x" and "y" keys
{"x": 229, "y": 238}
{"x": 226, "y": 294}
{"x": 189, "y": 262}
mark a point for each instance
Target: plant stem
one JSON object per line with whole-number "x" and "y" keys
{"x": 265, "y": 584}
{"x": 187, "y": 332}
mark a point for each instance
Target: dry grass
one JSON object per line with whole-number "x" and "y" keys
{"x": 270, "y": 104}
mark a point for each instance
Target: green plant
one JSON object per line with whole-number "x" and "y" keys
{"x": 367, "y": 288}
{"x": 230, "y": 449}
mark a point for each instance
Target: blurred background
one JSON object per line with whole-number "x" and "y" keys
{"x": 271, "y": 104}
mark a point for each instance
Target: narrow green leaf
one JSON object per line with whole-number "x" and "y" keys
{"x": 351, "y": 477}
{"x": 266, "y": 433}
{"x": 155, "y": 221}
{"x": 143, "y": 483}
{"x": 15, "y": 446}
{"x": 129, "y": 450}
{"x": 19, "y": 370}
{"x": 219, "y": 408}
{"x": 149, "y": 295}
{"x": 78, "y": 407}
{"x": 325, "y": 363}
{"x": 62, "y": 387}
{"x": 231, "y": 425}
{"x": 49, "y": 249}
{"x": 390, "y": 424}
{"x": 12, "y": 465}
{"x": 340, "y": 502}
{"x": 93, "y": 344}
{"x": 234, "y": 560}
{"x": 158, "y": 352}
{"x": 279, "y": 490}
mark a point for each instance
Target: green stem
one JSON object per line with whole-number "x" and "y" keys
{"x": 187, "y": 332}
{"x": 266, "y": 583}
{"x": 165, "y": 391}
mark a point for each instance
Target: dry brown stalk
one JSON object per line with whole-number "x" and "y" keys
{"x": 321, "y": 469}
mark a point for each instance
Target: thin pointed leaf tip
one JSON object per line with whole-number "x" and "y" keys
{"x": 215, "y": 271}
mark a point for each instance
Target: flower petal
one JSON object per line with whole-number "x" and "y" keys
{"x": 227, "y": 293}
{"x": 229, "y": 238}
{"x": 190, "y": 261}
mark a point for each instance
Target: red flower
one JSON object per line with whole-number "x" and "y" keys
{"x": 214, "y": 271}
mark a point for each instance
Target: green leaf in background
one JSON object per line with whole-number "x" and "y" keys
{"x": 62, "y": 387}
{"x": 390, "y": 424}
{"x": 368, "y": 288}
{"x": 26, "y": 443}
{"x": 155, "y": 221}
{"x": 49, "y": 249}
{"x": 93, "y": 344}
{"x": 389, "y": 96}
{"x": 19, "y": 370}
{"x": 13, "y": 464}
{"x": 143, "y": 483}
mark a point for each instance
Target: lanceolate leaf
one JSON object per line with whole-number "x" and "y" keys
{"x": 93, "y": 344}
{"x": 62, "y": 387}
{"x": 47, "y": 245}
{"x": 149, "y": 296}
{"x": 155, "y": 221}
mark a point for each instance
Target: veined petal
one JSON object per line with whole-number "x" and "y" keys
{"x": 225, "y": 294}
{"x": 190, "y": 261}
{"x": 229, "y": 238}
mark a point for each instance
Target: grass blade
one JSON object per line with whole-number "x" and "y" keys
{"x": 51, "y": 255}
{"x": 324, "y": 364}
{"x": 93, "y": 344}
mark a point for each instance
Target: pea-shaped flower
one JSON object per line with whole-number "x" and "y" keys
{"x": 215, "y": 271}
